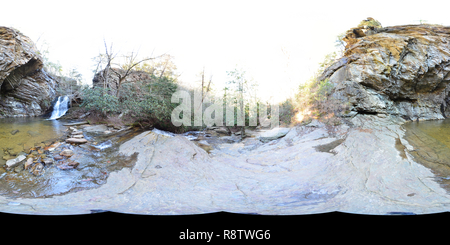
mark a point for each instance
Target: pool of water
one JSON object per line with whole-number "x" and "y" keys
{"x": 20, "y": 134}
{"x": 431, "y": 142}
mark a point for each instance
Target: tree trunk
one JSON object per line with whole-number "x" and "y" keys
{"x": 105, "y": 76}
{"x": 119, "y": 85}
{"x": 228, "y": 130}
{"x": 241, "y": 105}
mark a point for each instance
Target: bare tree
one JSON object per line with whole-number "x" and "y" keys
{"x": 239, "y": 84}
{"x": 109, "y": 57}
{"x": 130, "y": 63}
{"x": 124, "y": 70}
{"x": 204, "y": 93}
{"x": 105, "y": 59}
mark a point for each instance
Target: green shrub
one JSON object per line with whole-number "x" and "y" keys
{"x": 370, "y": 22}
{"x": 322, "y": 90}
{"x": 313, "y": 101}
{"x": 99, "y": 100}
{"x": 287, "y": 111}
{"x": 148, "y": 103}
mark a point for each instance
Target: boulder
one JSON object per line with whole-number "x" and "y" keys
{"x": 25, "y": 88}
{"x": 37, "y": 169}
{"x": 95, "y": 128}
{"x": 47, "y": 161}
{"x": 8, "y": 157}
{"x": 58, "y": 157}
{"x": 273, "y": 134}
{"x": 221, "y": 131}
{"x": 67, "y": 164}
{"x": 33, "y": 133}
{"x": 76, "y": 141}
{"x": 27, "y": 147}
{"x": 53, "y": 146}
{"x": 66, "y": 153}
{"x": 13, "y": 162}
{"x": 18, "y": 169}
{"x": 28, "y": 163}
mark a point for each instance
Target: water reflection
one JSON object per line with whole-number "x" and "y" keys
{"x": 20, "y": 134}
{"x": 437, "y": 129}
{"x": 431, "y": 142}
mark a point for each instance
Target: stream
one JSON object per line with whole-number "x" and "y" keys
{"x": 32, "y": 137}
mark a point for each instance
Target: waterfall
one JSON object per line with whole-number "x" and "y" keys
{"x": 60, "y": 108}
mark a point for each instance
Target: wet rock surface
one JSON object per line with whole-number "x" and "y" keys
{"x": 172, "y": 175}
{"x": 13, "y": 162}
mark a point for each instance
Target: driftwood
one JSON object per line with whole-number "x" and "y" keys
{"x": 75, "y": 123}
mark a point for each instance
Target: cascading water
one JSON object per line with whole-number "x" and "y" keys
{"x": 60, "y": 108}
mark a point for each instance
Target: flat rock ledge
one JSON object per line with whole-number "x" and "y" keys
{"x": 353, "y": 169}
{"x": 76, "y": 140}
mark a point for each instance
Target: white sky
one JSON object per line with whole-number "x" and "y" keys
{"x": 217, "y": 35}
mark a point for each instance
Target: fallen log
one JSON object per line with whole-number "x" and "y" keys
{"x": 75, "y": 123}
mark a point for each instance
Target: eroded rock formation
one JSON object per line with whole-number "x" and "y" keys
{"x": 399, "y": 70}
{"x": 25, "y": 88}
{"x": 109, "y": 79}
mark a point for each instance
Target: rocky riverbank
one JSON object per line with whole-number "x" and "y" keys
{"x": 357, "y": 167}
{"x": 58, "y": 166}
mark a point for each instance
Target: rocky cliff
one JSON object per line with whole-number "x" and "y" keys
{"x": 25, "y": 88}
{"x": 398, "y": 70}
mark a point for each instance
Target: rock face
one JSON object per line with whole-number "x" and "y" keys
{"x": 111, "y": 80}
{"x": 399, "y": 70}
{"x": 25, "y": 88}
